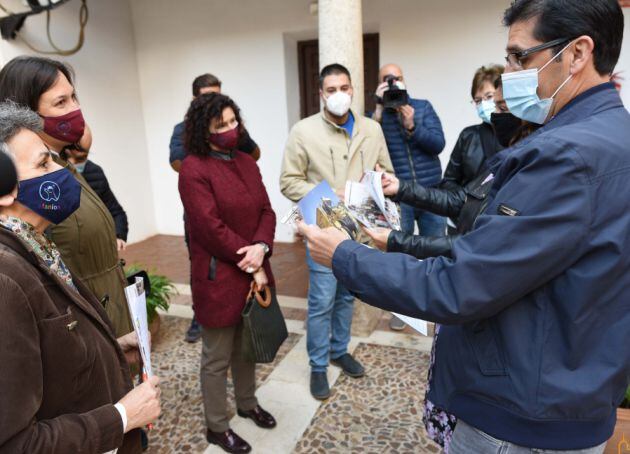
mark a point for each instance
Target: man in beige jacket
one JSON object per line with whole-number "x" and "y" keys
{"x": 335, "y": 145}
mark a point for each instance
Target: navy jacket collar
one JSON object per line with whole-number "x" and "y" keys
{"x": 593, "y": 101}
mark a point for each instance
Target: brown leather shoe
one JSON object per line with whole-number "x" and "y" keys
{"x": 260, "y": 417}
{"x": 228, "y": 441}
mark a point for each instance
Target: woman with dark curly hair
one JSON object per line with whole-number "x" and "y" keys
{"x": 231, "y": 226}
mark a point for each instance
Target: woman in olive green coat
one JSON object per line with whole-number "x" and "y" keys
{"x": 86, "y": 240}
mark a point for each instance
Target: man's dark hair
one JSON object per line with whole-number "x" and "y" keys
{"x": 602, "y": 20}
{"x": 25, "y": 79}
{"x": 331, "y": 70}
{"x": 204, "y": 81}
{"x": 202, "y": 111}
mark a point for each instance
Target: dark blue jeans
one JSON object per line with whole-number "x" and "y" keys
{"x": 329, "y": 316}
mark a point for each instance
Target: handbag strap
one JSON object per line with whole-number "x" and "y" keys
{"x": 254, "y": 292}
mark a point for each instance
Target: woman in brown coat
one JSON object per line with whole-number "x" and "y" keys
{"x": 64, "y": 379}
{"x": 87, "y": 239}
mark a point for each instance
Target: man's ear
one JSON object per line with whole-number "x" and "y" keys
{"x": 582, "y": 54}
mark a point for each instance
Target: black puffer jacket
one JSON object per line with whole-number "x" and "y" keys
{"x": 95, "y": 177}
{"x": 462, "y": 181}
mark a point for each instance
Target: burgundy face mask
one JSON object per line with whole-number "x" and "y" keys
{"x": 227, "y": 140}
{"x": 68, "y": 128}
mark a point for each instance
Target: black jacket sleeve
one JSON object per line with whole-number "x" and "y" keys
{"x": 419, "y": 246}
{"x": 117, "y": 212}
{"x": 453, "y": 175}
{"x": 95, "y": 176}
{"x": 443, "y": 202}
{"x": 246, "y": 144}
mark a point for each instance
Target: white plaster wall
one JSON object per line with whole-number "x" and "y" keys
{"x": 109, "y": 91}
{"x": 241, "y": 42}
{"x": 251, "y": 46}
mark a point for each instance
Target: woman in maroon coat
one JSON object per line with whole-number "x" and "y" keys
{"x": 231, "y": 226}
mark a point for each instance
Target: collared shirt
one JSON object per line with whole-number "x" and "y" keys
{"x": 349, "y": 124}
{"x": 40, "y": 245}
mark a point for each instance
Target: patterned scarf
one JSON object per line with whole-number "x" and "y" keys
{"x": 40, "y": 245}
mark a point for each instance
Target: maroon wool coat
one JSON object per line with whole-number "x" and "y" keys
{"x": 226, "y": 207}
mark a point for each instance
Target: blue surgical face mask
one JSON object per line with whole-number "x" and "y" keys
{"x": 54, "y": 196}
{"x": 521, "y": 96}
{"x": 485, "y": 109}
{"x": 80, "y": 167}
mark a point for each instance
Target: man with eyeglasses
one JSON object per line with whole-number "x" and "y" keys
{"x": 535, "y": 303}
{"x": 415, "y": 139}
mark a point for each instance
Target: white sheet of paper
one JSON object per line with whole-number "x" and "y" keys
{"x": 137, "y": 302}
{"x": 372, "y": 180}
{"x": 419, "y": 325}
{"x": 359, "y": 201}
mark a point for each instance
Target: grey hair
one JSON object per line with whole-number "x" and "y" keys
{"x": 14, "y": 118}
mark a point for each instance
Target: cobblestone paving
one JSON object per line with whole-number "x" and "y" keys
{"x": 181, "y": 426}
{"x": 379, "y": 413}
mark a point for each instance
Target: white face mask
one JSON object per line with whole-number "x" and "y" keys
{"x": 338, "y": 103}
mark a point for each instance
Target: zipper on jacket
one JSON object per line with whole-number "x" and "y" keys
{"x": 332, "y": 158}
{"x": 406, "y": 140}
{"x": 413, "y": 170}
{"x": 363, "y": 162}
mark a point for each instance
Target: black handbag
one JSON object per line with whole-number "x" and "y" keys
{"x": 264, "y": 328}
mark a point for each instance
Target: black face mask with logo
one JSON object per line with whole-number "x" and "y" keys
{"x": 506, "y": 126}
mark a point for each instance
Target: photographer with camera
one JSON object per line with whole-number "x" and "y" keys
{"x": 414, "y": 137}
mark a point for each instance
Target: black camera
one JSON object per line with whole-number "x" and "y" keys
{"x": 394, "y": 97}
{"x": 8, "y": 177}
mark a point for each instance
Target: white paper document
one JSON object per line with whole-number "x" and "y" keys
{"x": 368, "y": 204}
{"x": 137, "y": 302}
{"x": 419, "y": 325}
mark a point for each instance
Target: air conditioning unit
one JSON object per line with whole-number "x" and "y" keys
{"x": 16, "y": 11}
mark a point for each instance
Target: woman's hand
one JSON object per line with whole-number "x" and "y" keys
{"x": 260, "y": 277}
{"x": 129, "y": 345}
{"x": 142, "y": 404}
{"x": 379, "y": 235}
{"x": 254, "y": 256}
{"x": 390, "y": 183}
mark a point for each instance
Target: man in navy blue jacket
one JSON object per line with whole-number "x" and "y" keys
{"x": 535, "y": 302}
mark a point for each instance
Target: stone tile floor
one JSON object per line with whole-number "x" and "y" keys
{"x": 379, "y": 413}
{"x": 181, "y": 426}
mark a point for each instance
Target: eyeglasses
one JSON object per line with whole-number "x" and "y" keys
{"x": 515, "y": 59}
{"x": 486, "y": 97}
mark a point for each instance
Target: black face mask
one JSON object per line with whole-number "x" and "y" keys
{"x": 506, "y": 126}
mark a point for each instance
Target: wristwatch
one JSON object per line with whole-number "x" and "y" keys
{"x": 265, "y": 247}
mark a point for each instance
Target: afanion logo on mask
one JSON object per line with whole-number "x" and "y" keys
{"x": 49, "y": 191}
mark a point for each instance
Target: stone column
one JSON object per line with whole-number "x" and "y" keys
{"x": 341, "y": 41}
